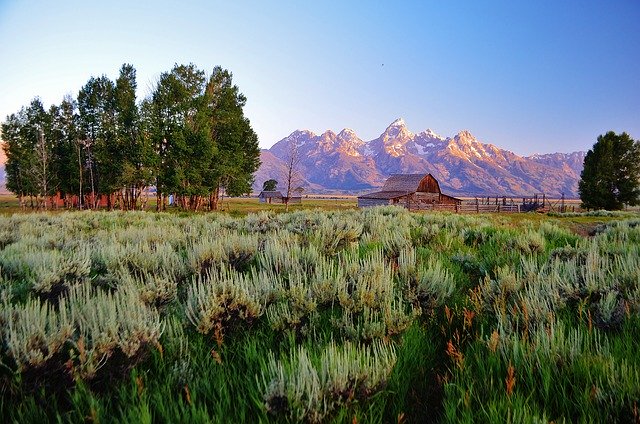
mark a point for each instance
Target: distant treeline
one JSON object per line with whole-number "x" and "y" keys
{"x": 189, "y": 138}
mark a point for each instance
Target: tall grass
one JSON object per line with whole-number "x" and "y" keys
{"x": 376, "y": 315}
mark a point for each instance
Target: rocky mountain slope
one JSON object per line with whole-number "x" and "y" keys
{"x": 462, "y": 164}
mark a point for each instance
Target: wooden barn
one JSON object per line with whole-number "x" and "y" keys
{"x": 270, "y": 197}
{"x": 413, "y": 191}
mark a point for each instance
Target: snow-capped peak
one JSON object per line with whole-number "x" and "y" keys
{"x": 397, "y": 129}
{"x": 300, "y": 134}
{"x": 347, "y": 133}
{"x": 398, "y": 123}
{"x": 465, "y": 135}
{"x": 429, "y": 133}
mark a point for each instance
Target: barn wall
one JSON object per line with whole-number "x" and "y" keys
{"x": 447, "y": 200}
{"x": 427, "y": 197}
{"x": 366, "y": 203}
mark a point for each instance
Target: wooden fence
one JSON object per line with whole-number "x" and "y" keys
{"x": 472, "y": 206}
{"x": 467, "y": 207}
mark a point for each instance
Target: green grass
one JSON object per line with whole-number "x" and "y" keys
{"x": 483, "y": 318}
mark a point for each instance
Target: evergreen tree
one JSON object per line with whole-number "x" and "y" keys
{"x": 611, "y": 174}
{"x": 238, "y": 153}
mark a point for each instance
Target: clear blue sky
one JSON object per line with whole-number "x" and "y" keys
{"x": 532, "y": 77}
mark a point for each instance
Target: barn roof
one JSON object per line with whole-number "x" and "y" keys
{"x": 403, "y": 182}
{"x": 268, "y": 194}
{"x": 383, "y": 195}
{"x": 451, "y": 197}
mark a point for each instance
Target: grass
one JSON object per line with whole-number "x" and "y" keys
{"x": 237, "y": 206}
{"x": 376, "y": 315}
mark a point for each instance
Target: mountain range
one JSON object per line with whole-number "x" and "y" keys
{"x": 463, "y": 165}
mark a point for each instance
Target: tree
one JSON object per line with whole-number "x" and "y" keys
{"x": 611, "y": 174}
{"x": 19, "y": 155}
{"x": 28, "y": 151}
{"x": 136, "y": 158}
{"x": 237, "y": 155}
{"x": 67, "y": 156}
{"x": 270, "y": 185}
{"x": 41, "y": 168}
{"x": 200, "y": 136}
{"x": 96, "y": 105}
{"x": 292, "y": 176}
{"x": 179, "y": 128}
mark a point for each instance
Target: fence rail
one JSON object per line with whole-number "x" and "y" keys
{"x": 488, "y": 204}
{"x": 466, "y": 208}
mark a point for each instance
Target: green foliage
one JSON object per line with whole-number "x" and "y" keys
{"x": 189, "y": 138}
{"x": 23, "y": 133}
{"x": 270, "y": 185}
{"x": 200, "y": 135}
{"x": 611, "y": 175}
{"x": 374, "y": 315}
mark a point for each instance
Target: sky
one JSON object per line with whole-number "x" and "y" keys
{"x": 528, "y": 76}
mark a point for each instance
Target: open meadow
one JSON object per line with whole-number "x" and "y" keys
{"x": 376, "y": 315}
{"x": 235, "y": 206}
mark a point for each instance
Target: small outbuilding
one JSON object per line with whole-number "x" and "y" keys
{"x": 270, "y": 197}
{"x": 413, "y": 191}
{"x": 292, "y": 199}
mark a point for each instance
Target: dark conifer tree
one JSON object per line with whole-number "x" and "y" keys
{"x": 611, "y": 174}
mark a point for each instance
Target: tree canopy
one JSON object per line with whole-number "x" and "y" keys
{"x": 270, "y": 185}
{"x": 611, "y": 174}
{"x": 189, "y": 138}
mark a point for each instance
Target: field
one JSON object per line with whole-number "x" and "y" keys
{"x": 235, "y": 206}
{"x": 375, "y": 315}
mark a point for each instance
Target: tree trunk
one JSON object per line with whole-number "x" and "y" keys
{"x": 79, "y": 176}
{"x": 215, "y": 197}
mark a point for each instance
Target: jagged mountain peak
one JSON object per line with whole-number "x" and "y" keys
{"x": 301, "y": 133}
{"x": 465, "y": 136}
{"x": 298, "y": 137}
{"x": 429, "y": 133}
{"x": 396, "y": 128}
{"x": 347, "y": 133}
{"x": 328, "y": 134}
